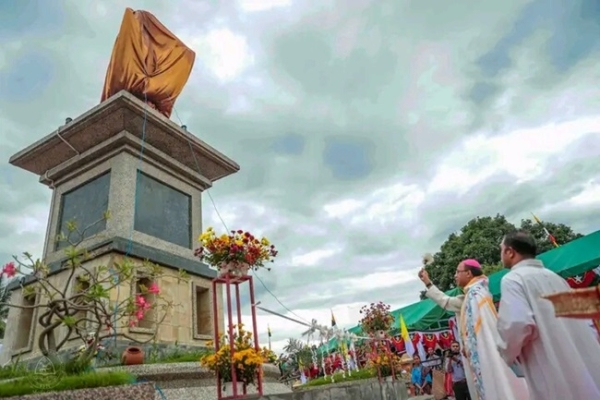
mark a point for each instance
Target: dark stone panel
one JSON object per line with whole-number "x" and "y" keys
{"x": 162, "y": 211}
{"x": 86, "y": 206}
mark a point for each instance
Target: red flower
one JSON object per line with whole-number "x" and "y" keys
{"x": 154, "y": 289}
{"x": 9, "y": 269}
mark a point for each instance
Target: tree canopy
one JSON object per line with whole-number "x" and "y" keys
{"x": 480, "y": 239}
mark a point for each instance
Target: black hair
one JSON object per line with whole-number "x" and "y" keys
{"x": 521, "y": 242}
{"x": 455, "y": 342}
{"x": 475, "y": 271}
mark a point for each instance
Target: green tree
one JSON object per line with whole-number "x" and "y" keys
{"x": 480, "y": 239}
{"x": 489, "y": 269}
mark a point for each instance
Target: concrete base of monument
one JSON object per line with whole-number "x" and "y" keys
{"x": 189, "y": 381}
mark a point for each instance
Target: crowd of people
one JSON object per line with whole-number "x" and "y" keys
{"x": 521, "y": 351}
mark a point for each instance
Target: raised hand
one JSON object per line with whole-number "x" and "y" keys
{"x": 424, "y": 276}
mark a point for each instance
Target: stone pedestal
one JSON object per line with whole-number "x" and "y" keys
{"x": 149, "y": 173}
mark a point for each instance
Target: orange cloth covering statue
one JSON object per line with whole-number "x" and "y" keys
{"x": 148, "y": 61}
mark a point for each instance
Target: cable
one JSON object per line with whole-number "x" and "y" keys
{"x": 275, "y": 297}
{"x": 225, "y": 225}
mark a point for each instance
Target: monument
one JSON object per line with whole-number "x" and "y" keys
{"x": 127, "y": 157}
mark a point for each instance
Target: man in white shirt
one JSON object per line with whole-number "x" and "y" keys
{"x": 560, "y": 357}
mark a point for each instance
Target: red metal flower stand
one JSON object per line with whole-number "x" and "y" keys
{"x": 229, "y": 282}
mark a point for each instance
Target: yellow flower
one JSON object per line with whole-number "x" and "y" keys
{"x": 264, "y": 241}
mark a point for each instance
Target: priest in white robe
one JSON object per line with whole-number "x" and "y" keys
{"x": 492, "y": 377}
{"x": 451, "y": 304}
{"x": 488, "y": 377}
{"x": 560, "y": 357}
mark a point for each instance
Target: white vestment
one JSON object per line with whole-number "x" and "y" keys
{"x": 560, "y": 357}
{"x": 492, "y": 377}
{"x": 453, "y": 304}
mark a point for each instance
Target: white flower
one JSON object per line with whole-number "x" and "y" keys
{"x": 427, "y": 259}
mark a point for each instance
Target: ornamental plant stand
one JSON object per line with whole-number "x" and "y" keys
{"x": 230, "y": 282}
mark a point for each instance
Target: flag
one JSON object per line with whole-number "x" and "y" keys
{"x": 269, "y": 330}
{"x": 551, "y": 238}
{"x": 408, "y": 344}
{"x": 333, "y": 323}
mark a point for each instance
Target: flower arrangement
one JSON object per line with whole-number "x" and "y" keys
{"x": 245, "y": 358}
{"x": 239, "y": 248}
{"x": 383, "y": 360}
{"x": 376, "y": 318}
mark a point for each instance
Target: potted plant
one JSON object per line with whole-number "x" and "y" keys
{"x": 235, "y": 254}
{"x": 383, "y": 360}
{"x": 245, "y": 359}
{"x": 376, "y": 319}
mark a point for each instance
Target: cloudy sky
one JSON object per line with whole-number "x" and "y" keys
{"x": 366, "y": 131}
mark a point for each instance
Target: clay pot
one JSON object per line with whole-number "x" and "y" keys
{"x": 132, "y": 355}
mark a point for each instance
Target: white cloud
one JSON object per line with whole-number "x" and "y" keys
{"x": 222, "y": 52}
{"x": 391, "y": 202}
{"x": 523, "y": 153}
{"x": 262, "y": 5}
{"x": 313, "y": 258}
{"x": 589, "y": 196}
{"x": 379, "y": 280}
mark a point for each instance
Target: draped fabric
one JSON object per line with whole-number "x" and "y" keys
{"x": 148, "y": 61}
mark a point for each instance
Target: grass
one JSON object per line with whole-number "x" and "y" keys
{"x": 30, "y": 383}
{"x": 11, "y": 371}
{"x": 339, "y": 378}
{"x": 176, "y": 355}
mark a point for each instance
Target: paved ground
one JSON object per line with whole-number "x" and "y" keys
{"x": 210, "y": 392}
